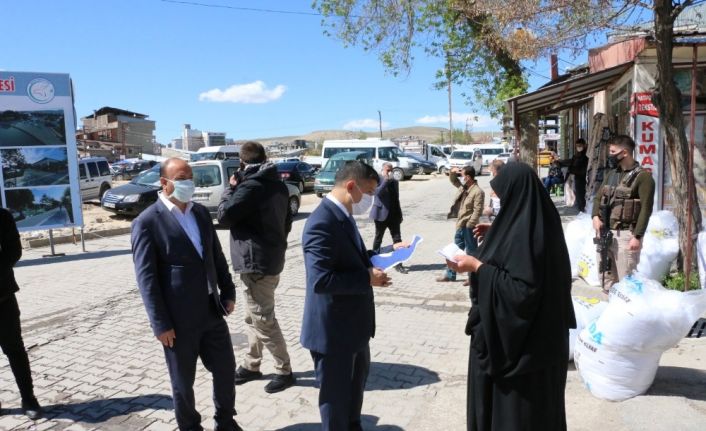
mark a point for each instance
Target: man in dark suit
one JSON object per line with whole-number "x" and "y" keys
{"x": 387, "y": 211}
{"x": 10, "y": 329}
{"x": 339, "y": 311}
{"x": 180, "y": 267}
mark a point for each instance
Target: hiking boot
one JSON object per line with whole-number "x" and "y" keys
{"x": 243, "y": 375}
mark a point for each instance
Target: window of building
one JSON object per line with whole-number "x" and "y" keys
{"x": 620, "y": 108}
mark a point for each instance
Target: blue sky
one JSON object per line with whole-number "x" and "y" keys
{"x": 207, "y": 67}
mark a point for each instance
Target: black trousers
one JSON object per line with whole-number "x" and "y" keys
{"x": 213, "y": 345}
{"x": 341, "y": 379}
{"x": 380, "y": 227}
{"x": 580, "y": 190}
{"x": 13, "y": 346}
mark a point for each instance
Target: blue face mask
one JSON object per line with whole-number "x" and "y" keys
{"x": 183, "y": 190}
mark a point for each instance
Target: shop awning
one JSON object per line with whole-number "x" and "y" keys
{"x": 555, "y": 97}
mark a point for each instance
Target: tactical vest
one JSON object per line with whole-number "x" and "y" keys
{"x": 624, "y": 209}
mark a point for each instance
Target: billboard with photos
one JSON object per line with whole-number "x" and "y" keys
{"x": 38, "y": 157}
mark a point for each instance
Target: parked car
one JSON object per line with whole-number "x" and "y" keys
{"x": 95, "y": 177}
{"x": 132, "y": 198}
{"x": 325, "y": 178}
{"x": 461, "y": 158}
{"x": 129, "y": 170}
{"x": 426, "y": 167}
{"x": 300, "y": 174}
{"x": 503, "y": 157}
{"x": 211, "y": 178}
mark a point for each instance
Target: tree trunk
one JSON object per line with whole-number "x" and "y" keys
{"x": 529, "y": 141}
{"x": 668, "y": 102}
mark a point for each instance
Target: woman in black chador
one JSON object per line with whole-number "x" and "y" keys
{"x": 521, "y": 313}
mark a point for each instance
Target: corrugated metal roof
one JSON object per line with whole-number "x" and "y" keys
{"x": 556, "y": 96}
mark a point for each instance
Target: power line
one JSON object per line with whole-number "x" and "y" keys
{"x": 240, "y": 8}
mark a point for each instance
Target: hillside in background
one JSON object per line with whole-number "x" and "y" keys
{"x": 429, "y": 134}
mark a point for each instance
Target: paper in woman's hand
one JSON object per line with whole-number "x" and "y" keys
{"x": 450, "y": 252}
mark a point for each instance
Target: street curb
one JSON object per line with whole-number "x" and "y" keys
{"x": 43, "y": 242}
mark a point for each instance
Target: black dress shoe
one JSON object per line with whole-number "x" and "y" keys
{"x": 232, "y": 426}
{"x": 280, "y": 382}
{"x": 243, "y": 375}
{"x": 401, "y": 269}
{"x": 32, "y": 410}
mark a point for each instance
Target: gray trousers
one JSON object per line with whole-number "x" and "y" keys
{"x": 623, "y": 261}
{"x": 262, "y": 326}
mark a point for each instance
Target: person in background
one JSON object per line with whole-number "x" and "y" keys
{"x": 469, "y": 213}
{"x": 521, "y": 311}
{"x": 180, "y": 268}
{"x": 10, "y": 326}
{"x": 387, "y": 211}
{"x": 628, "y": 191}
{"x": 491, "y": 211}
{"x": 578, "y": 165}
{"x": 257, "y": 211}
{"x": 555, "y": 176}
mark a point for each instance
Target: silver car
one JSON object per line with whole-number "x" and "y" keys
{"x": 211, "y": 177}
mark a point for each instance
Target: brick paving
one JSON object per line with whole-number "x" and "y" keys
{"x": 96, "y": 365}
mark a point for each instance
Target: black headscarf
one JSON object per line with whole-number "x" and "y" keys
{"x": 522, "y": 294}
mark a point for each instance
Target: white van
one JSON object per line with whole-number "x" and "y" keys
{"x": 489, "y": 151}
{"x": 221, "y": 152}
{"x": 379, "y": 151}
{"x": 95, "y": 177}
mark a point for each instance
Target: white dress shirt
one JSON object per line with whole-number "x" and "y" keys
{"x": 187, "y": 221}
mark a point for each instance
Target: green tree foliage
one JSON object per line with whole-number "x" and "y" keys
{"x": 482, "y": 42}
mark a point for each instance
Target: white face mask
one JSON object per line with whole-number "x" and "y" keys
{"x": 364, "y": 204}
{"x": 183, "y": 190}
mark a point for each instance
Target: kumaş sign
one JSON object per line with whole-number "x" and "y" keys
{"x": 39, "y": 164}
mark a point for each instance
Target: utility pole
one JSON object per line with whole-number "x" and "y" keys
{"x": 380, "y": 122}
{"x": 448, "y": 80}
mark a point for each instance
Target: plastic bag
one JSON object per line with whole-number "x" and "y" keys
{"x": 569, "y": 195}
{"x": 618, "y": 354}
{"x": 660, "y": 245}
{"x": 576, "y": 233}
{"x": 586, "y": 310}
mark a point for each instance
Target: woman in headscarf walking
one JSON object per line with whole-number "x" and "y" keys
{"x": 521, "y": 311}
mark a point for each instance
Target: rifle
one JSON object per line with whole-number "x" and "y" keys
{"x": 603, "y": 243}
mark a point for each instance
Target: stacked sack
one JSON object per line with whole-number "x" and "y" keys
{"x": 618, "y": 355}
{"x": 586, "y": 310}
{"x": 660, "y": 245}
{"x": 576, "y": 234}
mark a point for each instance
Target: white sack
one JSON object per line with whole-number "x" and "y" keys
{"x": 660, "y": 245}
{"x": 587, "y": 265}
{"x": 618, "y": 354}
{"x": 611, "y": 375}
{"x": 586, "y": 310}
{"x": 575, "y": 235}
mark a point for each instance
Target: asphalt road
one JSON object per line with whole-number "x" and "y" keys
{"x": 56, "y": 216}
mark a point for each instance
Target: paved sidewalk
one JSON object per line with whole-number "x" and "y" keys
{"x": 97, "y": 366}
